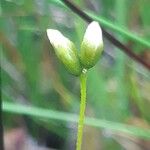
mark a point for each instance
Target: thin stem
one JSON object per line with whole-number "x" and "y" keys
{"x": 83, "y": 78}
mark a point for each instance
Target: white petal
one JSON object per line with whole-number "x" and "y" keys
{"x": 93, "y": 34}
{"x": 57, "y": 39}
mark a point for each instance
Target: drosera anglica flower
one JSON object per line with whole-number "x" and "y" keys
{"x": 91, "y": 49}
{"x": 92, "y": 45}
{"x": 65, "y": 51}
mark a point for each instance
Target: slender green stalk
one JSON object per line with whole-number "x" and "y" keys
{"x": 83, "y": 78}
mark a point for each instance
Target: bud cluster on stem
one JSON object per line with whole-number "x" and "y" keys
{"x": 78, "y": 63}
{"x": 91, "y": 48}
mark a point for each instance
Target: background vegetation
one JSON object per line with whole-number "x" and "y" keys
{"x": 118, "y": 87}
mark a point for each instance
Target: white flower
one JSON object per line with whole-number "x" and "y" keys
{"x": 65, "y": 51}
{"x": 57, "y": 39}
{"x": 93, "y": 35}
{"x": 92, "y": 45}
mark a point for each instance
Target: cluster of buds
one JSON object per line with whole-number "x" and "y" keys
{"x": 91, "y": 49}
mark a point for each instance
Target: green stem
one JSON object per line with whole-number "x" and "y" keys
{"x": 83, "y": 78}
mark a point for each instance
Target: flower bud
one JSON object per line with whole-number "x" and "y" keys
{"x": 65, "y": 51}
{"x": 92, "y": 45}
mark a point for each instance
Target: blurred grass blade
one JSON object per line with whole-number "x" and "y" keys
{"x": 119, "y": 29}
{"x": 57, "y": 2}
{"x": 108, "y": 24}
{"x": 64, "y": 116}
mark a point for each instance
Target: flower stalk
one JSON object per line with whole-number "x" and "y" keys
{"x": 83, "y": 78}
{"x": 78, "y": 63}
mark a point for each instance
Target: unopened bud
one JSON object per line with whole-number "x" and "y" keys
{"x": 92, "y": 45}
{"x": 65, "y": 51}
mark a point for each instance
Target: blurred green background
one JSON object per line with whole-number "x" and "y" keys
{"x": 118, "y": 88}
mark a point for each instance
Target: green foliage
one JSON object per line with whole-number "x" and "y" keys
{"x": 63, "y": 116}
